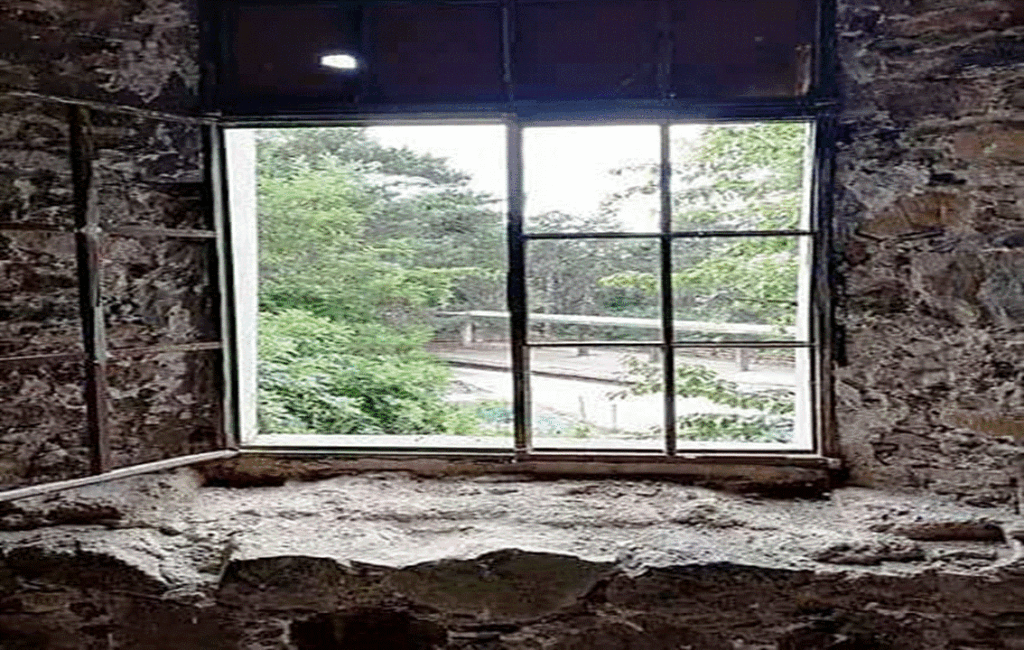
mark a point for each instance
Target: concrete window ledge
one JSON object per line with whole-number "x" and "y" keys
{"x": 393, "y": 561}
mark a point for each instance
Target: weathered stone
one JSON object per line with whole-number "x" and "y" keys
{"x": 42, "y": 423}
{"x": 158, "y": 291}
{"x": 502, "y": 586}
{"x": 141, "y": 53}
{"x": 163, "y": 405}
{"x": 921, "y": 213}
{"x": 993, "y": 424}
{"x": 465, "y": 585}
{"x": 39, "y": 308}
{"x": 149, "y": 172}
{"x": 868, "y": 551}
{"x": 973, "y": 17}
{"x": 35, "y": 163}
{"x": 993, "y": 143}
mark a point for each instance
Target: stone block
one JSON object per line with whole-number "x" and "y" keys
{"x": 926, "y": 212}
{"x": 993, "y": 143}
{"x": 35, "y": 164}
{"x": 42, "y": 423}
{"x": 39, "y": 308}
{"x": 164, "y": 405}
{"x": 158, "y": 291}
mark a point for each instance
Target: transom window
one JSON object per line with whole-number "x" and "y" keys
{"x": 528, "y": 287}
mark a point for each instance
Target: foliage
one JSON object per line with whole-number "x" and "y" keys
{"x": 361, "y": 243}
{"x": 321, "y": 376}
{"x": 768, "y": 415}
{"x": 351, "y": 262}
{"x": 735, "y": 177}
{"x": 568, "y": 276}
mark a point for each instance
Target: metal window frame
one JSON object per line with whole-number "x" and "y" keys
{"x": 522, "y": 450}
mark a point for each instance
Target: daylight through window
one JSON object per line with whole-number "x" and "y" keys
{"x": 640, "y": 287}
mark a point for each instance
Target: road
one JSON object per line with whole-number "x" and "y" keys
{"x": 582, "y": 396}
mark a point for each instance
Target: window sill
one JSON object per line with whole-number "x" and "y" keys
{"x": 800, "y": 474}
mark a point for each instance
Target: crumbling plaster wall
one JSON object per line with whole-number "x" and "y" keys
{"x": 929, "y": 216}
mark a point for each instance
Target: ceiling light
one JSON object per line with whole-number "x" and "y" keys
{"x": 339, "y": 61}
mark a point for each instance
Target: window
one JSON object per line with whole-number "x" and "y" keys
{"x": 660, "y": 273}
{"x": 482, "y": 234}
{"x": 643, "y": 272}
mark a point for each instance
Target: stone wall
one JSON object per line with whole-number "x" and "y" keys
{"x": 393, "y": 562}
{"x": 134, "y": 52}
{"x": 928, "y": 211}
{"x": 140, "y": 179}
{"x": 929, "y": 234}
{"x": 929, "y": 218}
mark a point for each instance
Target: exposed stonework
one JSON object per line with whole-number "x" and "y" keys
{"x": 138, "y": 52}
{"x": 158, "y": 291}
{"x": 149, "y": 172}
{"x": 133, "y": 171}
{"x": 930, "y": 394}
{"x": 35, "y": 163}
{"x": 42, "y": 423}
{"x": 929, "y": 212}
{"x": 164, "y": 405}
{"x": 351, "y": 563}
{"x": 39, "y": 310}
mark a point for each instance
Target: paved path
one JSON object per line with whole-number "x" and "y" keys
{"x": 569, "y": 390}
{"x": 602, "y": 364}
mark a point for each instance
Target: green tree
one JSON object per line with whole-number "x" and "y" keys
{"x": 353, "y": 238}
{"x": 736, "y": 178}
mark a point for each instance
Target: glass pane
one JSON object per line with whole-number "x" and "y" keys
{"x": 586, "y": 49}
{"x": 742, "y": 395}
{"x": 606, "y": 397}
{"x": 748, "y": 176}
{"x": 743, "y": 48}
{"x": 587, "y": 289}
{"x": 591, "y": 178}
{"x": 382, "y": 317}
{"x": 740, "y": 288}
{"x": 434, "y": 52}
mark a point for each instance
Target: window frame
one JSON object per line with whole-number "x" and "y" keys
{"x": 821, "y": 451}
{"x": 819, "y": 106}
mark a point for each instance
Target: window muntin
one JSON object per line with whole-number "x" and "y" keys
{"x": 734, "y": 379}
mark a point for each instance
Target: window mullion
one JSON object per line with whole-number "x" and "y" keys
{"x": 517, "y": 290}
{"x": 668, "y": 354}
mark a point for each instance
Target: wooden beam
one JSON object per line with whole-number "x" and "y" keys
{"x": 87, "y": 244}
{"x": 124, "y": 472}
{"x": 199, "y": 346}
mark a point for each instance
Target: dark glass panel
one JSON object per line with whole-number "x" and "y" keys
{"x": 277, "y": 51}
{"x": 742, "y": 48}
{"x": 434, "y": 52}
{"x": 586, "y": 50}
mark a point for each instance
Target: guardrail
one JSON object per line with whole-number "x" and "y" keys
{"x": 468, "y": 334}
